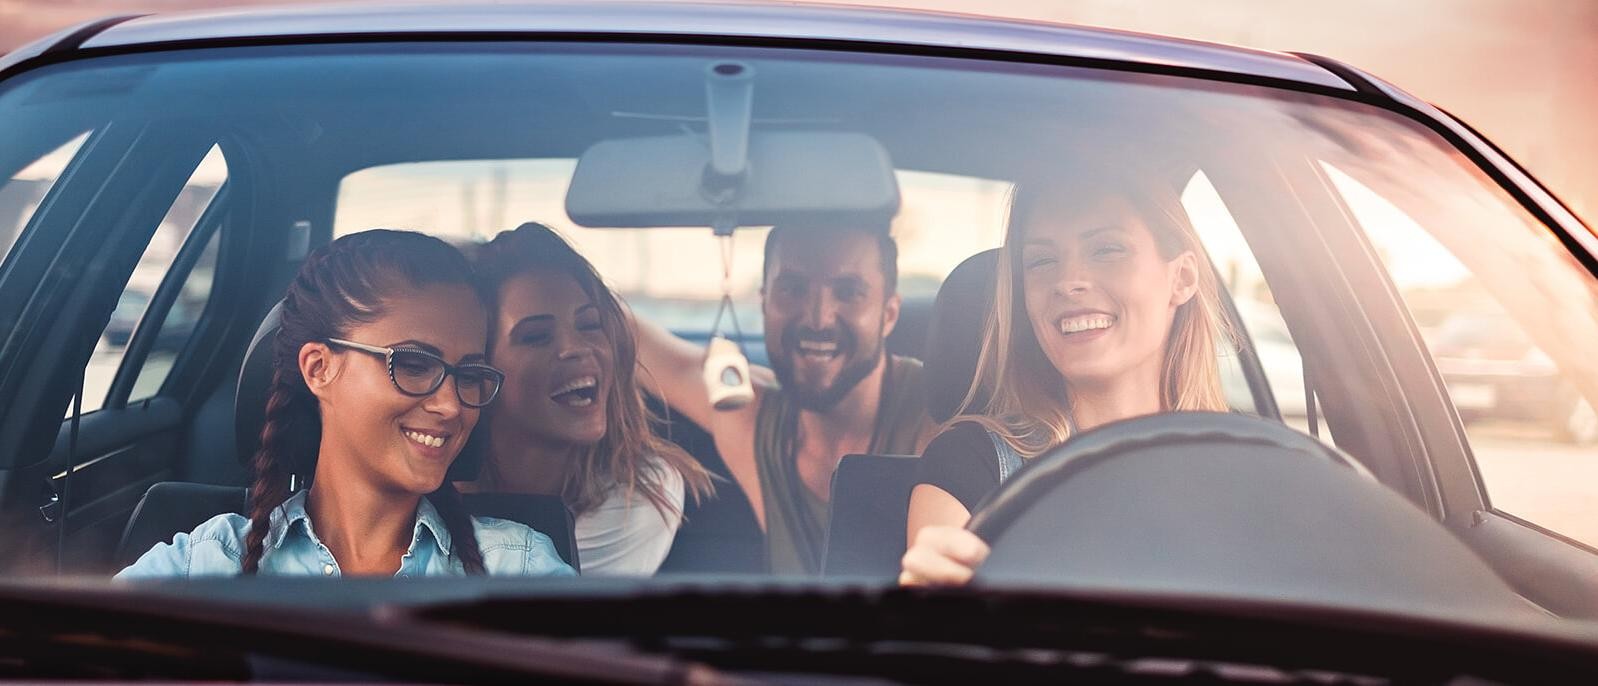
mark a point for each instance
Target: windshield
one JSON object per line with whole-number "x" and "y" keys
{"x": 627, "y": 385}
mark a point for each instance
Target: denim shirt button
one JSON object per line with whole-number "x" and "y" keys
{"x": 327, "y": 570}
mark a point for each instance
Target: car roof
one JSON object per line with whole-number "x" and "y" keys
{"x": 632, "y": 19}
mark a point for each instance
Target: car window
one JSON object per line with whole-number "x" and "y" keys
{"x": 171, "y": 327}
{"x": 21, "y": 194}
{"x": 179, "y": 322}
{"x": 1481, "y": 292}
{"x": 463, "y": 140}
{"x": 1263, "y": 330}
{"x": 662, "y": 273}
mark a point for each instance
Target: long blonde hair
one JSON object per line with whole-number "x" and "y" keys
{"x": 1032, "y": 411}
{"x": 619, "y": 459}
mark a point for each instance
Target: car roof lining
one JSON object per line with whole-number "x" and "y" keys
{"x": 348, "y": 112}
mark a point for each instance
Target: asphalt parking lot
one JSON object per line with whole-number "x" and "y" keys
{"x": 1539, "y": 479}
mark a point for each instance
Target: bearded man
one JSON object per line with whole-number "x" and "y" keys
{"x": 829, "y": 298}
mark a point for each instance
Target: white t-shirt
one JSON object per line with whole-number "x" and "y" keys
{"x": 629, "y": 536}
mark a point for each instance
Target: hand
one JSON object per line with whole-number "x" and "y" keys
{"x": 942, "y": 556}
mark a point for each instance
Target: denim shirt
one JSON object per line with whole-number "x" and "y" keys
{"x": 216, "y": 548}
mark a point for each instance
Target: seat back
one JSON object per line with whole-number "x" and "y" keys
{"x": 909, "y": 335}
{"x": 870, "y": 505}
{"x": 871, "y": 493}
{"x": 171, "y": 507}
{"x": 719, "y": 534}
{"x": 954, "y": 335}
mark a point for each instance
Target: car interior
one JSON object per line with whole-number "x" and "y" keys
{"x": 100, "y": 486}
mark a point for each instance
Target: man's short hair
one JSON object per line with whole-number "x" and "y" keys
{"x": 887, "y": 248}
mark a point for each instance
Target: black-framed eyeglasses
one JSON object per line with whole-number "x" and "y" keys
{"x": 418, "y": 373}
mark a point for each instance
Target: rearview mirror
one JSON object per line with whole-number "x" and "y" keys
{"x": 791, "y": 177}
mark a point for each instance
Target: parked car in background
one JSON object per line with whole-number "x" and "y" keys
{"x": 1496, "y": 372}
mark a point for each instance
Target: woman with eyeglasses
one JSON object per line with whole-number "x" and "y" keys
{"x": 379, "y": 376}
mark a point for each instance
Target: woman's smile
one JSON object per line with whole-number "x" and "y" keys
{"x": 1086, "y": 326}
{"x": 432, "y": 444}
{"x": 577, "y": 392}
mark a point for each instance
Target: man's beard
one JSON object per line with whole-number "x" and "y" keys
{"x": 858, "y": 367}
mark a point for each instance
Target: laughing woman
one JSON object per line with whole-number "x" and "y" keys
{"x": 572, "y": 421}
{"x": 379, "y": 374}
{"x": 1105, "y": 309}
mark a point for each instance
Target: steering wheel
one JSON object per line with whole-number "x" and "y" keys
{"x": 1223, "y": 505}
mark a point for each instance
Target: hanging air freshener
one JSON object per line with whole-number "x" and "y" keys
{"x": 726, "y": 369}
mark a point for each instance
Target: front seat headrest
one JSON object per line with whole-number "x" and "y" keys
{"x": 255, "y": 382}
{"x": 954, "y": 338}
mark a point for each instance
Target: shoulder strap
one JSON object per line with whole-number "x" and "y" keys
{"x": 1010, "y": 461}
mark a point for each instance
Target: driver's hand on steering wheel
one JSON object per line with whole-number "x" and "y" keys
{"x": 942, "y": 556}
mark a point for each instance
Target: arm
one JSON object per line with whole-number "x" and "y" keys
{"x": 941, "y": 552}
{"x": 933, "y": 506}
{"x": 670, "y": 368}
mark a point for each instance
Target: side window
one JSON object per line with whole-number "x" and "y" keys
{"x": 178, "y": 324}
{"x": 1510, "y": 321}
{"x": 1241, "y": 277}
{"x": 21, "y": 194}
{"x": 171, "y": 328}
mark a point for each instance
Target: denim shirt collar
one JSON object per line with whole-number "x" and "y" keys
{"x": 291, "y": 517}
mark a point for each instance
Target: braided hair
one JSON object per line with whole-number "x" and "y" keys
{"x": 341, "y": 285}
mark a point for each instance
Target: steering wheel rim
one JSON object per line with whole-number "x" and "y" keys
{"x": 1014, "y": 497}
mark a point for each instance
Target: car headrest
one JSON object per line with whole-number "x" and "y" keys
{"x": 954, "y": 337}
{"x": 255, "y": 382}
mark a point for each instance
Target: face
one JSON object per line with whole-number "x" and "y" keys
{"x": 402, "y": 443}
{"x": 552, "y": 345}
{"x": 827, "y": 314}
{"x": 1099, "y": 295}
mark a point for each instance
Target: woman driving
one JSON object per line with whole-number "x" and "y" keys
{"x": 379, "y": 374}
{"x": 571, "y": 420}
{"x": 1105, "y": 309}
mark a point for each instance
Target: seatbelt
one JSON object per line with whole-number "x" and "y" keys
{"x": 64, "y": 498}
{"x": 1309, "y": 405}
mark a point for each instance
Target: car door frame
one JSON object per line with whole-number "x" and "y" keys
{"x": 1426, "y": 437}
{"x": 101, "y": 225}
{"x": 1555, "y": 571}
